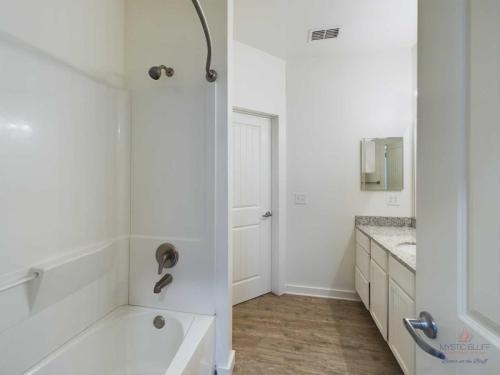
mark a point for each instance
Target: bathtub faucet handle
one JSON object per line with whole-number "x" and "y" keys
{"x": 161, "y": 264}
{"x": 166, "y": 256}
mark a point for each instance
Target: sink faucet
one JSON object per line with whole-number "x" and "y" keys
{"x": 162, "y": 283}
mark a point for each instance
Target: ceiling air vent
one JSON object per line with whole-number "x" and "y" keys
{"x": 323, "y": 33}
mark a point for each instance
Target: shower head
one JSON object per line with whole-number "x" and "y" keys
{"x": 155, "y": 72}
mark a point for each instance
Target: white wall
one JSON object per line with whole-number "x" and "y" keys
{"x": 280, "y": 27}
{"x": 86, "y": 34}
{"x": 334, "y": 102}
{"x": 259, "y": 86}
{"x": 262, "y": 24}
{"x": 179, "y": 149}
{"x": 64, "y": 167}
{"x": 259, "y": 80}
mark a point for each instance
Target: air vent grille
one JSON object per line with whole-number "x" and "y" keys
{"x": 323, "y": 33}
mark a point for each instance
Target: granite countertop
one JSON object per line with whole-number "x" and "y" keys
{"x": 390, "y": 238}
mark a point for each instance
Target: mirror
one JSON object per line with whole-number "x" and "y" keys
{"x": 382, "y": 164}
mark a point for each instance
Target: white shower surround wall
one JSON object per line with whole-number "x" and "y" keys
{"x": 84, "y": 34}
{"x": 69, "y": 172}
{"x": 170, "y": 157}
{"x": 64, "y": 162}
{"x": 179, "y": 160}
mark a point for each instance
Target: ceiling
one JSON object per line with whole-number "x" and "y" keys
{"x": 280, "y": 27}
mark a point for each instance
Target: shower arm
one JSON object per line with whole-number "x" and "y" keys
{"x": 211, "y": 74}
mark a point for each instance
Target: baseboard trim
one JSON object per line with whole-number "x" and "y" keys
{"x": 228, "y": 369}
{"x": 302, "y": 290}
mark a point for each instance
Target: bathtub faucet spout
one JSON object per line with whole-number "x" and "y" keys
{"x": 162, "y": 283}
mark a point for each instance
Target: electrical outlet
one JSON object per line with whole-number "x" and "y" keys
{"x": 300, "y": 199}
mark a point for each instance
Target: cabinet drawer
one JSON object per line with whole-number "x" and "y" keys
{"x": 379, "y": 255}
{"x": 363, "y": 240}
{"x": 363, "y": 288}
{"x": 402, "y": 276}
{"x": 363, "y": 261}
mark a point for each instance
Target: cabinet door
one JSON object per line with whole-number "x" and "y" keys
{"x": 363, "y": 240}
{"x": 400, "y": 342}
{"x": 363, "y": 288}
{"x": 378, "y": 297}
{"x": 363, "y": 262}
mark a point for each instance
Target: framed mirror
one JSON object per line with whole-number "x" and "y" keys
{"x": 382, "y": 164}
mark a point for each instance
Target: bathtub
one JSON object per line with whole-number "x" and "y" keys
{"x": 126, "y": 342}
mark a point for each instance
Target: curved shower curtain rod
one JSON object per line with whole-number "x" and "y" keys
{"x": 211, "y": 74}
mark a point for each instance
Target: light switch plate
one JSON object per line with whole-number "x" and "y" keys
{"x": 393, "y": 200}
{"x": 300, "y": 199}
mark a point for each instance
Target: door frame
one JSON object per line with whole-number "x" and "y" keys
{"x": 278, "y": 194}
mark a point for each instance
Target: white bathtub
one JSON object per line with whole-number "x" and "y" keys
{"x": 126, "y": 343}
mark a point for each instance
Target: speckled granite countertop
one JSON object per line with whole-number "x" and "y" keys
{"x": 391, "y": 238}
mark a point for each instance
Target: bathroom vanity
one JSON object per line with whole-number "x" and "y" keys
{"x": 385, "y": 279}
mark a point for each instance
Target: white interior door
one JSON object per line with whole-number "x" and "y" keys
{"x": 251, "y": 206}
{"x": 458, "y": 230}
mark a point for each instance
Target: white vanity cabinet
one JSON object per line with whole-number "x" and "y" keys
{"x": 387, "y": 289}
{"x": 379, "y": 288}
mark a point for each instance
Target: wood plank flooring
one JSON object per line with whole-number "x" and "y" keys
{"x": 304, "y": 335}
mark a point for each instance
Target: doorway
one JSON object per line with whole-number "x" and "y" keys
{"x": 251, "y": 213}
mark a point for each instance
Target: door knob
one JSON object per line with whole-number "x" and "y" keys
{"x": 428, "y": 326}
{"x": 267, "y": 214}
